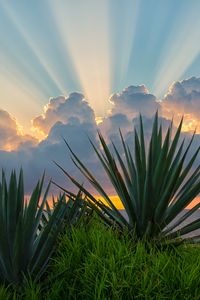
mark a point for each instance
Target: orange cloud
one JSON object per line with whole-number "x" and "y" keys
{"x": 63, "y": 109}
{"x": 183, "y": 99}
{"x": 11, "y": 134}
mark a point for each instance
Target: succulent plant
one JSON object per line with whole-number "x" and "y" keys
{"x": 155, "y": 183}
{"x": 25, "y": 245}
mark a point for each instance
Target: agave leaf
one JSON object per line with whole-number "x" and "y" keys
{"x": 147, "y": 203}
{"x": 95, "y": 184}
{"x": 160, "y": 166}
{"x": 46, "y": 241}
{"x": 154, "y": 141}
{"x": 174, "y": 180}
{"x": 191, "y": 181}
{"x": 138, "y": 164}
{"x": 184, "y": 201}
{"x": 182, "y": 219}
{"x": 117, "y": 181}
{"x": 132, "y": 173}
{"x": 129, "y": 185}
{"x": 171, "y": 169}
{"x": 142, "y": 149}
{"x": 88, "y": 174}
{"x": 167, "y": 195}
{"x": 185, "y": 229}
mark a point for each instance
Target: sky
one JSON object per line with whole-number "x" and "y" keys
{"x": 70, "y": 67}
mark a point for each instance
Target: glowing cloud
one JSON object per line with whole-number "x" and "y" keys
{"x": 64, "y": 109}
{"x": 183, "y": 99}
{"x": 26, "y": 97}
{"x": 11, "y": 137}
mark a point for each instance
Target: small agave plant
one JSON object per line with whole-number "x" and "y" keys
{"x": 25, "y": 245}
{"x": 76, "y": 208}
{"x": 154, "y": 183}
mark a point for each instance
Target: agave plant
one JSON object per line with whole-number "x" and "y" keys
{"x": 155, "y": 183}
{"x": 25, "y": 246}
{"x": 76, "y": 207}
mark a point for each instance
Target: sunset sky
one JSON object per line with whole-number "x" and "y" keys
{"x": 69, "y": 67}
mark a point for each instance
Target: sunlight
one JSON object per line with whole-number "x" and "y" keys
{"x": 33, "y": 45}
{"x": 84, "y": 31}
{"x": 191, "y": 122}
{"x": 39, "y": 134}
{"x": 194, "y": 202}
{"x": 99, "y": 120}
{"x": 123, "y": 22}
{"x": 8, "y": 147}
{"x": 118, "y": 204}
{"x": 14, "y": 87}
{"x": 180, "y": 49}
{"x": 114, "y": 198}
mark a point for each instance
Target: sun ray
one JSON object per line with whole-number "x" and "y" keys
{"x": 180, "y": 49}
{"x": 32, "y": 44}
{"x": 123, "y": 23}
{"x": 26, "y": 99}
{"x": 83, "y": 27}
{"x": 15, "y": 65}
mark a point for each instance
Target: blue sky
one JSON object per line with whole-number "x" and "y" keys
{"x": 48, "y": 48}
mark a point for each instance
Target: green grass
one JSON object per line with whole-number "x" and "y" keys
{"x": 95, "y": 263}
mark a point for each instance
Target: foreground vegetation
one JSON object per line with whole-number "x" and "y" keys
{"x": 96, "y": 263}
{"x": 61, "y": 252}
{"x": 29, "y": 228}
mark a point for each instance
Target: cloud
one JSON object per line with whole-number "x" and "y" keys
{"x": 126, "y": 106}
{"x": 111, "y": 124}
{"x": 63, "y": 109}
{"x": 72, "y": 118}
{"x": 78, "y": 123}
{"x": 10, "y": 136}
{"x": 134, "y": 100}
{"x": 183, "y": 98}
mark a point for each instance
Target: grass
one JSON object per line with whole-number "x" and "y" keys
{"x": 95, "y": 263}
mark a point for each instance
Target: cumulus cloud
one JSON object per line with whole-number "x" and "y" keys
{"x": 126, "y": 106}
{"x": 63, "y": 109}
{"x": 183, "y": 98}
{"x": 72, "y": 118}
{"x": 75, "y": 125}
{"x": 134, "y": 100}
{"x": 10, "y": 136}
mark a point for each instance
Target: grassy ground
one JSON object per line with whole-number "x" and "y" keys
{"x": 97, "y": 264}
